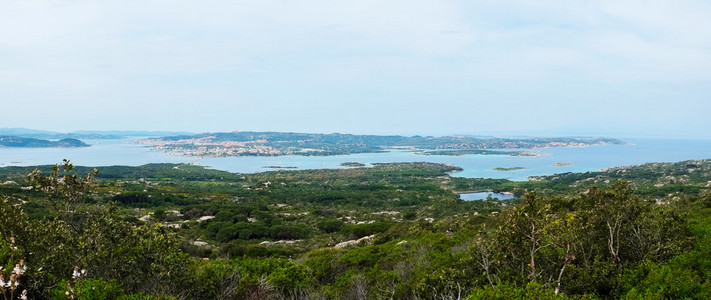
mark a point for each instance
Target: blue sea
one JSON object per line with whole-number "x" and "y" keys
{"x": 485, "y": 195}
{"x": 124, "y": 152}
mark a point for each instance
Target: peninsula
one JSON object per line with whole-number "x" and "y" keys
{"x": 244, "y": 143}
{"x": 22, "y": 142}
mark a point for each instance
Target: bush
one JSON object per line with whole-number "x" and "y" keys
{"x": 330, "y": 225}
{"x": 228, "y": 233}
{"x": 159, "y": 214}
{"x": 410, "y": 215}
{"x": 287, "y": 232}
{"x": 506, "y": 291}
{"x": 193, "y": 213}
{"x": 362, "y": 230}
{"x": 224, "y": 216}
{"x": 94, "y": 289}
{"x": 215, "y": 226}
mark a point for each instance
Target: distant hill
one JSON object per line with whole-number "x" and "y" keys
{"x": 132, "y": 133}
{"x": 22, "y": 142}
{"x": 24, "y": 131}
{"x": 85, "y": 134}
{"x": 53, "y": 135}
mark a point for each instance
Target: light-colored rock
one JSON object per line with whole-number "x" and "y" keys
{"x": 389, "y": 213}
{"x": 279, "y": 242}
{"x": 342, "y": 245}
{"x": 175, "y": 212}
{"x": 205, "y": 218}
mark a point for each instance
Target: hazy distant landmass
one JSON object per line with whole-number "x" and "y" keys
{"x": 352, "y": 164}
{"x": 289, "y": 143}
{"x": 476, "y": 152}
{"x": 53, "y": 135}
{"x": 84, "y": 134}
{"x": 131, "y": 133}
{"x": 16, "y": 141}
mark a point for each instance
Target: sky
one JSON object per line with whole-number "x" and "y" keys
{"x": 542, "y": 68}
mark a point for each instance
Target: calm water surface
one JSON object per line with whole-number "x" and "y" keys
{"x": 101, "y": 153}
{"x": 122, "y": 152}
{"x": 485, "y": 195}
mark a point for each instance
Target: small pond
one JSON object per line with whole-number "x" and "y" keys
{"x": 484, "y": 195}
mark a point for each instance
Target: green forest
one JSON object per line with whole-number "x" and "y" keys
{"x": 390, "y": 231}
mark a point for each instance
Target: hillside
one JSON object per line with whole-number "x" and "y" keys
{"x": 395, "y": 230}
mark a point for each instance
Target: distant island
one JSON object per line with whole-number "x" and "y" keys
{"x": 476, "y": 152}
{"x": 510, "y": 169}
{"x": 352, "y": 164}
{"x": 21, "y": 142}
{"x": 246, "y": 143}
{"x": 567, "y": 163}
{"x": 83, "y": 134}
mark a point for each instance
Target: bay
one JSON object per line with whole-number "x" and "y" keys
{"x": 105, "y": 152}
{"x": 485, "y": 195}
{"x": 573, "y": 159}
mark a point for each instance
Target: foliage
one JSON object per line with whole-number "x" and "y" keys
{"x": 94, "y": 289}
{"x": 406, "y": 234}
{"x": 506, "y": 291}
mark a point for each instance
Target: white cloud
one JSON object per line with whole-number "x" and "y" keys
{"x": 236, "y": 53}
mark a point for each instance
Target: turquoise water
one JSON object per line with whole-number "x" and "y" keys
{"x": 485, "y": 195}
{"x": 122, "y": 152}
{"x": 101, "y": 153}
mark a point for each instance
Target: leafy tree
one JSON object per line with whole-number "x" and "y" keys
{"x": 140, "y": 259}
{"x": 65, "y": 192}
{"x": 522, "y": 234}
{"x": 330, "y": 225}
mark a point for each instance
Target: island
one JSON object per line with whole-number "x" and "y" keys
{"x": 247, "y": 143}
{"x": 510, "y": 169}
{"x": 567, "y": 163}
{"x": 476, "y": 152}
{"x": 352, "y": 164}
{"x": 83, "y": 134}
{"x": 280, "y": 167}
{"x": 22, "y": 142}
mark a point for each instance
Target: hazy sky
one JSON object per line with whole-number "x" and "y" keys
{"x": 385, "y": 67}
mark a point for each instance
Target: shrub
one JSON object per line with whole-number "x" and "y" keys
{"x": 330, "y": 225}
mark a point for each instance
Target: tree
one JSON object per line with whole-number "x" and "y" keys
{"x": 142, "y": 259}
{"x": 522, "y": 233}
{"x": 65, "y": 192}
{"x": 611, "y": 215}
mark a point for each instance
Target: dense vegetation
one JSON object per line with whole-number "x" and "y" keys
{"x": 391, "y": 231}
